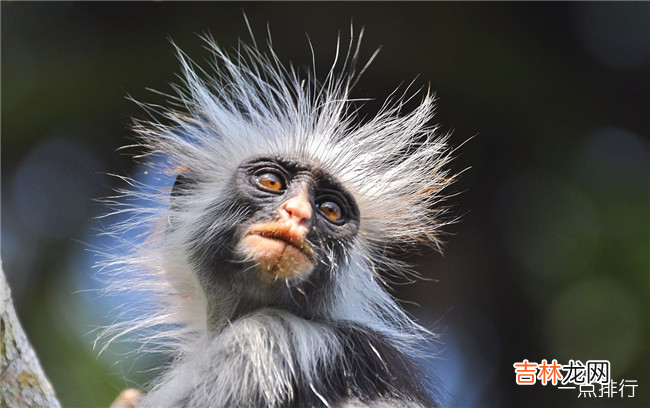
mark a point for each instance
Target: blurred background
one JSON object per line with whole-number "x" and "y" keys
{"x": 549, "y": 261}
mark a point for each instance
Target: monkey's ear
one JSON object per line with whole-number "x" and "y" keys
{"x": 182, "y": 187}
{"x": 185, "y": 180}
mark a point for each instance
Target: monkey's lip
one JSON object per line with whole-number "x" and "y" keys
{"x": 284, "y": 233}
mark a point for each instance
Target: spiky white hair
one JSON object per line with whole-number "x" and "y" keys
{"x": 249, "y": 104}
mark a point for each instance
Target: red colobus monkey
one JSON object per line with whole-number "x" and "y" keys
{"x": 264, "y": 260}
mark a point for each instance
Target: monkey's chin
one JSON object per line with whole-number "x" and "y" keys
{"x": 277, "y": 259}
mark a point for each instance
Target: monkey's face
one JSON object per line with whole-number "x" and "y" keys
{"x": 297, "y": 215}
{"x": 297, "y": 224}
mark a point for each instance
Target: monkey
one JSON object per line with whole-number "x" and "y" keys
{"x": 265, "y": 260}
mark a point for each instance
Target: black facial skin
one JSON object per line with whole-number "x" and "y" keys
{"x": 224, "y": 272}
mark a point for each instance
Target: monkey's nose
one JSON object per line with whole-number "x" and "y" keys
{"x": 298, "y": 210}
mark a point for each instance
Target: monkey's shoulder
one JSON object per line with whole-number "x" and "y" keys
{"x": 369, "y": 372}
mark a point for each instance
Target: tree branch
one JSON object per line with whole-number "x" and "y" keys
{"x": 22, "y": 380}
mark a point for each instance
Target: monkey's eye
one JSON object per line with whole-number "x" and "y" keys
{"x": 270, "y": 181}
{"x": 331, "y": 210}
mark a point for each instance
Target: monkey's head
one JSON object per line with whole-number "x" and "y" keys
{"x": 283, "y": 196}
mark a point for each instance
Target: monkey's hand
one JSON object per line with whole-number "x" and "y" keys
{"x": 129, "y": 398}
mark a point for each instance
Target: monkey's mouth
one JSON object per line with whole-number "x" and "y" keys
{"x": 288, "y": 239}
{"x": 279, "y": 250}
